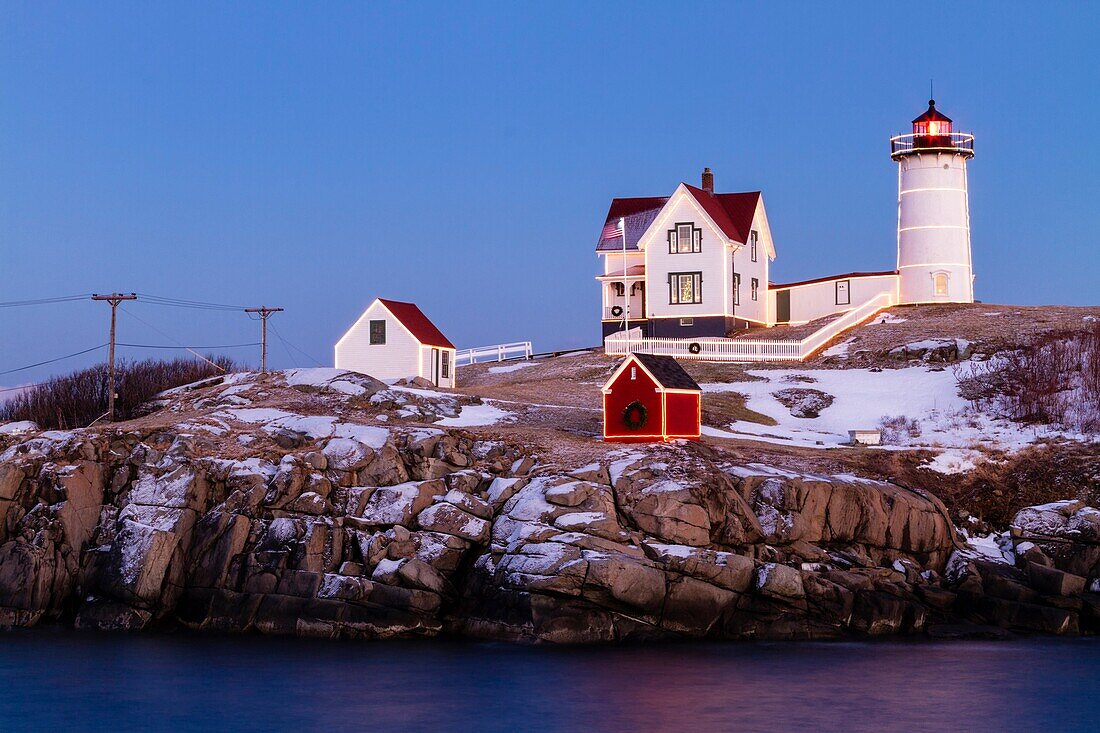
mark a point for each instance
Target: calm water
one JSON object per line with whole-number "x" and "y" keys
{"x": 53, "y": 680}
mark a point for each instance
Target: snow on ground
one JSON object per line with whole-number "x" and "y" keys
{"x": 889, "y": 318}
{"x": 863, "y": 398}
{"x": 475, "y": 416}
{"x": 953, "y": 460}
{"x": 510, "y": 367}
{"x": 339, "y": 380}
{"x": 840, "y": 349}
{"x": 14, "y": 428}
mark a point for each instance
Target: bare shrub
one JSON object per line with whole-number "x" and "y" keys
{"x": 1053, "y": 380}
{"x": 898, "y": 429}
{"x": 76, "y": 400}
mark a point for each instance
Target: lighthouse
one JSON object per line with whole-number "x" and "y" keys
{"x": 934, "y": 264}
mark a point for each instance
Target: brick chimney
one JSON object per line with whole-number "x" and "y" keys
{"x": 708, "y": 180}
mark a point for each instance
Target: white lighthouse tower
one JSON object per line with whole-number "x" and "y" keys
{"x": 934, "y": 263}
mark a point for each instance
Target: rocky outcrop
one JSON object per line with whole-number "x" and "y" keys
{"x": 360, "y": 531}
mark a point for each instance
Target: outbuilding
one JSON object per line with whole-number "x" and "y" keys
{"x": 651, "y": 398}
{"x": 395, "y": 340}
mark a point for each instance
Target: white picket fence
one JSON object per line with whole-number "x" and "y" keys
{"x": 727, "y": 349}
{"x": 500, "y": 352}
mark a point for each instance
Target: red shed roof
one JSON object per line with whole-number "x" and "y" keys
{"x": 419, "y": 326}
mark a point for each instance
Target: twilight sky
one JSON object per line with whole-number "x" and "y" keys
{"x": 313, "y": 156}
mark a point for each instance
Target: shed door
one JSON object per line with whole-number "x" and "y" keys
{"x": 783, "y": 306}
{"x": 435, "y": 367}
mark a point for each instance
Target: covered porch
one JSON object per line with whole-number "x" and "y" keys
{"x": 623, "y": 294}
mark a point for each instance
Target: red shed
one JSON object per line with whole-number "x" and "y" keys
{"x": 651, "y": 398}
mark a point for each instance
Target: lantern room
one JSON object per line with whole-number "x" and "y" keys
{"x": 932, "y": 132}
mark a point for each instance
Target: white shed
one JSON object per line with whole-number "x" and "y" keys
{"x": 394, "y": 340}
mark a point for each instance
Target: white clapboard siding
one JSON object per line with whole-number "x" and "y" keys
{"x": 398, "y": 358}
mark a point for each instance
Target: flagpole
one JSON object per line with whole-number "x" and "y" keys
{"x": 626, "y": 291}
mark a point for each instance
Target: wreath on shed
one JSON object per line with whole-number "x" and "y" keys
{"x": 635, "y": 415}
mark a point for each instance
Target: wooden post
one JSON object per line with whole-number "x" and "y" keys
{"x": 264, "y": 313}
{"x": 114, "y": 299}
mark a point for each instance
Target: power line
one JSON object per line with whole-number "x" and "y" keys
{"x": 185, "y": 303}
{"x": 165, "y": 346}
{"x": 182, "y": 346}
{"x": 44, "y": 301}
{"x": 292, "y": 346}
{"x": 51, "y": 361}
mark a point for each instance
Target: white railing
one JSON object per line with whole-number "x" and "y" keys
{"x": 727, "y": 349}
{"x": 500, "y": 352}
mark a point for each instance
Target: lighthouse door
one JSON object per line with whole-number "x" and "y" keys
{"x": 783, "y": 306}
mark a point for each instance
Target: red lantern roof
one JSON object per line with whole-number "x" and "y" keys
{"x": 932, "y": 114}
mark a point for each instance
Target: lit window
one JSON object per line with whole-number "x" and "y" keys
{"x": 377, "y": 332}
{"x": 939, "y": 284}
{"x": 752, "y": 244}
{"x": 685, "y": 287}
{"x": 755, "y": 287}
{"x": 685, "y": 239}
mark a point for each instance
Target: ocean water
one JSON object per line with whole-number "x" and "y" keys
{"x": 65, "y": 681}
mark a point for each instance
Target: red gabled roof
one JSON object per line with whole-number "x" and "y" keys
{"x": 413, "y": 318}
{"x": 732, "y": 212}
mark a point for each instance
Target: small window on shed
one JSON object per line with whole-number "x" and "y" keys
{"x": 377, "y": 332}
{"x": 633, "y": 373}
{"x": 445, "y": 364}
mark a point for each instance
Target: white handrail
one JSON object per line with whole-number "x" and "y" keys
{"x": 499, "y": 352}
{"x": 727, "y": 349}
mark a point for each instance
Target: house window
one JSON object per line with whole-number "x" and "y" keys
{"x": 377, "y": 332}
{"x": 737, "y": 288}
{"x": 685, "y": 287}
{"x": 939, "y": 284}
{"x": 752, "y": 244}
{"x": 445, "y": 364}
{"x": 843, "y": 294}
{"x": 619, "y": 289}
{"x": 687, "y": 322}
{"x": 633, "y": 373}
{"x": 755, "y": 287}
{"x": 685, "y": 239}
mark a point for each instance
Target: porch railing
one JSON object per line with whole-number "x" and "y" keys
{"x": 727, "y": 349}
{"x": 500, "y": 352}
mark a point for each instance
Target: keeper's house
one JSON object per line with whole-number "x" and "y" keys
{"x": 649, "y": 399}
{"x": 394, "y": 340}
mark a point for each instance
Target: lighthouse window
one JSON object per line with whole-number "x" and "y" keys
{"x": 752, "y": 244}
{"x": 685, "y": 239}
{"x": 939, "y": 284}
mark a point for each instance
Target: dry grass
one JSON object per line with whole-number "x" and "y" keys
{"x": 722, "y": 408}
{"x": 991, "y": 328}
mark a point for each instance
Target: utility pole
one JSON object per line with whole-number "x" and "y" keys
{"x": 114, "y": 299}
{"x": 264, "y": 312}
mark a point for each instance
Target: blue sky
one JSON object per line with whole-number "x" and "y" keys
{"x": 462, "y": 156}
